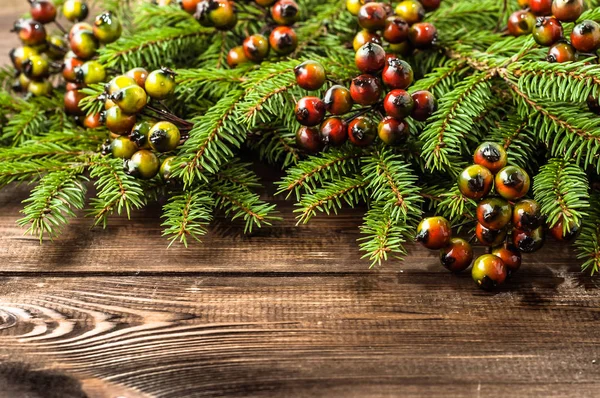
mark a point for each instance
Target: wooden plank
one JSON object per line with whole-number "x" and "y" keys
{"x": 342, "y": 335}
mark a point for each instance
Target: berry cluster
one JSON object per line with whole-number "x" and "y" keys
{"x": 401, "y": 27}
{"x": 547, "y": 29}
{"x": 40, "y": 55}
{"x": 379, "y": 70}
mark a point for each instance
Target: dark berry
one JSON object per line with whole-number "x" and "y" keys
{"x": 567, "y": 10}
{"x": 527, "y": 215}
{"x": 107, "y": 28}
{"x": 561, "y": 52}
{"x": 84, "y": 44}
{"x": 310, "y": 111}
{"x": 510, "y": 256}
{"x": 411, "y": 11}
{"x": 140, "y": 134}
{"x": 283, "y": 40}
{"x": 404, "y": 48}
{"x": 160, "y": 84}
{"x": 422, "y": 35}
{"x": 338, "y": 100}
{"x": 547, "y": 31}
{"x": 425, "y": 105}
{"x": 43, "y": 11}
{"x": 488, "y": 236}
{"x": 370, "y": 58}
{"x": 285, "y": 12}
{"x": 431, "y": 5}
{"x": 521, "y": 23}
{"x": 164, "y": 137}
{"x": 220, "y": 14}
{"x": 560, "y": 233}
{"x": 488, "y": 271}
{"x": 457, "y": 256}
{"x": 363, "y": 37}
{"x": 434, "y": 232}
{"x": 143, "y": 164}
{"x": 393, "y": 131}
{"x": 310, "y": 75}
{"x": 31, "y": 32}
{"x": 122, "y": 147}
{"x": 396, "y": 30}
{"x": 366, "y": 89}
{"x": 541, "y": 7}
{"x": 75, "y": 10}
{"x": 475, "y": 182}
{"x": 490, "y": 155}
{"x": 334, "y": 131}
{"x": 398, "y": 103}
{"x": 362, "y": 131}
{"x": 118, "y": 122}
{"x": 309, "y": 139}
{"x": 528, "y": 241}
{"x": 512, "y": 183}
{"x": 494, "y": 213}
{"x": 586, "y": 36}
{"x": 397, "y": 73}
{"x": 256, "y": 47}
{"x": 593, "y": 104}
{"x": 71, "y": 101}
{"x": 372, "y": 16}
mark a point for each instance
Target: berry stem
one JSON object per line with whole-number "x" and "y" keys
{"x": 170, "y": 117}
{"x": 59, "y": 26}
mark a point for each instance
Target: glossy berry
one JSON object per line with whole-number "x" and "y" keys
{"x": 494, "y": 213}
{"x": 117, "y": 121}
{"x": 338, "y": 100}
{"x": 57, "y": 47}
{"x": 363, "y": 37}
{"x": 366, "y": 89}
{"x": 220, "y": 14}
{"x": 370, "y": 58}
{"x": 431, "y": 5}
{"x": 398, "y": 103}
{"x": 256, "y": 47}
{"x": 139, "y": 75}
{"x": 404, "y": 48}
{"x": 75, "y": 10}
{"x": 512, "y": 182}
{"x": 490, "y": 155}
{"x": 143, "y": 164}
{"x": 107, "y": 28}
{"x": 164, "y": 137}
{"x": 22, "y": 83}
{"x": 510, "y": 256}
{"x": 395, "y": 30}
{"x": 523, "y": 3}
{"x": 20, "y": 54}
{"x": 425, "y": 105}
{"x": 79, "y": 26}
{"x": 71, "y": 101}
{"x": 521, "y": 23}
{"x": 457, "y": 256}
{"x": 84, "y": 44}
{"x": 43, "y": 11}
{"x": 527, "y": 215}
{"x": 39, "y": 88}
{"x": 123, "y": 147}
{"x": 36, "y": 67}
{"x": 334, "y": 131}
{"x": 93, "y": 121}
{"x": 560, "y": 233}
{"x": 585, "y": 36}
{"x": 475, "y": 182}
{"x": 31, "y": 32}
{"x": 392, "y": 131}
{"x": 422, "y": 35}
{"x": 90, "y": 72}
{"x": 190, "y": 6}
{"x": 236, "y": 56}
{"x": 411, "y": 11}
{"x": 310, "y": 111}
{"x": 362, "y": 131}
{"x": 528, "y": 241}
{"x": 488, "y": 271}
{"x": 118, "y": 83}
{"x": 309, "y": 139}
{"x": 285, "y": 12}
{"x": 541, "y": 7}
{"x": 310, "y": 75}
{"x": 140, "y": 133}
{"x": 166, "y": 168}
{"x": 488, "y": 236}
{"x": 72, "y": 86}
{"x": 567, "y": 10}
{"x": 397, "y": 73}
{"x": 160, "y": 84}
{"x": 547, "y": 31}
{"x": 353, "y": 6}
{"x": 561, "y": 52}
{"x": 131, "y": 99}
{"x": 372, "y": 16}
{"x": 283, "y": 40}
{"x": 434, "y": 232}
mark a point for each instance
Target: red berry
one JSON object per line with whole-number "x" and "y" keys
{"x": 236, "y": 56}
{"x": 310, "y": 111}
{"x": 69, "y": 67}
{"x": 431, "y": 5}
{"x": 523, "y": 3}
{"x": 489, "y": 271}
{"x": 370, "y": 58}
{"x": 510, "y": 256}
{"x": 494, "y": 213}
{"x": 43, "y": 11}
{"x": 309, "y": 139}
{"x": 30, "y": 32}
{"x": 393, "y": 131}
{"x": 220, "y": 14}
{"x": 362, "y": 131}
{"x": 256, "y": 47}
{"x": 489, "y": 237}
{"x": 92, "y": 121}
{"x": 366, "y": 89}
{"x": 512, "y": 182}
{"x": 586, "y": 36}
{"x": 338, "y": 100}
{"x": 561, "y": 52}
{"x": 334, "y": 131}
{"x": 565, "y": 235}
{"x": 396, "y": 30}
{"x": 547, "y": 31}
{"x": 398, "y": 103}
{"x": 541, "y": 7}
{"x": 567, "y": 10}
{"x": 527, "y": 215}
{"x": 397, "y": 73}
{"x": 310, "y": 75}
{"x": 372, "y": 16}
{"x": 490, "y": 155}
{"x": 285, "y": 12}
{"x": 139, "y": 75}
{"x": 521, "y": 23}
{"x": 457, "y": 256}
{"x": 72, "y": 100}
{"x": 190, "y": 6}
{"x": 283, "y": 40}
{"x": 434, "y": 232}
{"x": 475, "y": 182}
{"x": 422, "y": 35}
{"x": 528, "y": 241}
{"x": 78, "y": 27}
{"x": 425, "y": 105}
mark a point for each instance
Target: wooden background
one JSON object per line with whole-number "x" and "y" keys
{"x": 289, "y": 311}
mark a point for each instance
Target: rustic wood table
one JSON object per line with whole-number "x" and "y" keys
{"x": 288, "y": 311}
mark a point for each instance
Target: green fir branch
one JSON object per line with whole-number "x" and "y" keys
{"x": 587, "y": 244}
{"x": 187, "y": 215}
{"x": 384, "y": 236}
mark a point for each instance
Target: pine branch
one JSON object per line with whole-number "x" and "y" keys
{"x": 187, "y": 214}
{"x": 193, "y": 84}
{"x": 454, "y": 17}
{"x": 32, "y": 170}
{"x": 442, "y": 79}
{"x": 587, "y": 244}
{"x": 149, "y": 16}
{"x": 517, "y": 139}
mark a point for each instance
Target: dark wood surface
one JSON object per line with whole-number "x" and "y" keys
{"x": 288, "y": 311}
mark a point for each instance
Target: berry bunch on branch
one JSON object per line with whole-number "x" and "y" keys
{"x": 378, "y": 105}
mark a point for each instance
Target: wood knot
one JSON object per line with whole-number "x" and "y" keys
{"x": 7, "y": 320}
